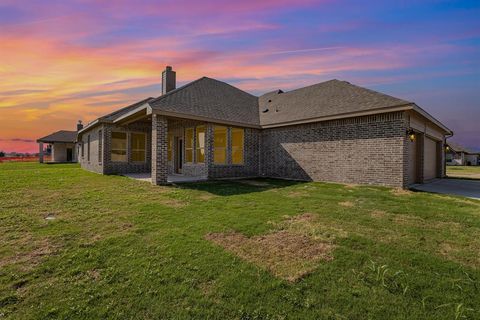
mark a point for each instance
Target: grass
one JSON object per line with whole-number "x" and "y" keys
{"x": 114, "y": 248}
{"x": 472, "y": 172}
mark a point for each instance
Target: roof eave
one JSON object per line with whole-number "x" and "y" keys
{"x": 134, "y": 113}
{"x": 202, "y": 118}
{"x": 432, "y": 119}
{"x": 404, "y": 107}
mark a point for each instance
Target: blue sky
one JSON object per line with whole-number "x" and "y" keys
{"x": 79, "y": 59}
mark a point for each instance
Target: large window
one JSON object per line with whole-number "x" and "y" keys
{"x": 200, "y": 130}
{"x": 237, "y": 145}
{"x": 220, "y": 145}
{"x": 119, "y": 147}
{"x": 189, "y": 145}
{"x": 139, "y": 147}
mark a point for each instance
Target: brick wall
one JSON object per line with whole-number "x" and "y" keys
{"x": 364, "y": 150}
{"x": 100, "y": 150}
{"x": 96, "y": 159}
{"x": 250, "y": 167}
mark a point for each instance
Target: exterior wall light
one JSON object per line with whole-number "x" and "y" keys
{"x": 411, "y": 135}
{"x": 447, "y": 148}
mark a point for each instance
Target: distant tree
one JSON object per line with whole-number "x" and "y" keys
{"x": 2, "y": 154}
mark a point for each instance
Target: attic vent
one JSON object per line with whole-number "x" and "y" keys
{"x": 270, "y": 100}
{"x": 265, "y": 110}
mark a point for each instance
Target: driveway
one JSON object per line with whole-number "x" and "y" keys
{"x": 459, "y": 187}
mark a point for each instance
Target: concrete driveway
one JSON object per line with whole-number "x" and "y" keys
{"x": 459, "y": 187}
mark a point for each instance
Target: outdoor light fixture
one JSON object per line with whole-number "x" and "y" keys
{"x": 447, "y": 148}
{"x": 411, "y": 135}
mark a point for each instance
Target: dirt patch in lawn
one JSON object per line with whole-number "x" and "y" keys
{"x": 347, "y": 204}
{"x": 287, "y": 255}
{"x": 30, "y": 258}
{"x": 401, "y": 192}
{"x": 378, "y": 214}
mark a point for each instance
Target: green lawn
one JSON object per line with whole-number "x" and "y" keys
{"x": 472, "y": 172}
{"x": 123, "y": 249}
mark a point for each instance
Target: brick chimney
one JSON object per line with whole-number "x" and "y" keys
{"x": 79, "y": 125}
{"x": 168, "y": 80}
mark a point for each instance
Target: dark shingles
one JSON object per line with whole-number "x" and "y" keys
{"x": 211, "y": 99}
{"x": 324, "y": 99}
{"x": 60, "y": 136}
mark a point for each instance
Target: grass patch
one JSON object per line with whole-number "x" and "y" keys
{"x": 471, "y": 172}
{"x": 120, "y": 248}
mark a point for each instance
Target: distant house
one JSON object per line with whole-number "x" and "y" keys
{"x": 458, "y": 155}
{"x": 61, "y": 145}
{"x": 330, "y": 131}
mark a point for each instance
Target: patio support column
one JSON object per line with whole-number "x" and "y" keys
{"x": 159, "y": 149}
{"x": 40, "y": 152}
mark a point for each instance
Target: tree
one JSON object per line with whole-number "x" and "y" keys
{"x": 2, "y": 154}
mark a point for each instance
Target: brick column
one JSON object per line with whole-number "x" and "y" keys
{"x": 159, "y": 149}
{"x": 40, "y": 152}
{"x": 209, "y": 149}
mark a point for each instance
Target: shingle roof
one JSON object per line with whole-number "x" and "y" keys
{"x": 211, "y": 99}
{"x": 60, "y": 136}
{"x": 118, "y": 113}
{"x": 459, "y": 148}
{"x": 324, "y": 99}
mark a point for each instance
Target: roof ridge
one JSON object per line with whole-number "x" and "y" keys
{"x": 176, "y": 90}
{"x": 228, "y": 84}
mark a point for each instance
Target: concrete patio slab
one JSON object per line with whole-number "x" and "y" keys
{"x": 459, "y": 187}
{"x": 170, "y": 179}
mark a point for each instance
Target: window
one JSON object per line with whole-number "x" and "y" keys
{"x": 83, "y": 148}
{"x": 88, "y": 148}
{"x": 119, "y": 146}
{"x": 200, "y": 130}
{"x": 219, "y": 145}
{"x": 237, "y": 145}
{"x": 138, "y": 147}
{"x": 169, "y": 146}
{"x": 100, "y": 142}
{"x": 189, "y": 145}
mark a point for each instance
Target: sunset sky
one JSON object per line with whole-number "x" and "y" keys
{"x": 65, "y": 60}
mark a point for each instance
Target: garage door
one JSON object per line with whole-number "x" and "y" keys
{"x": 430, "y": 158}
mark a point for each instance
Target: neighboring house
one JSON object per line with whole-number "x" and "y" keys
{"x": 458, "y": 155}
{"x": 331, "y": 131}
{"x": 61, "y": 145}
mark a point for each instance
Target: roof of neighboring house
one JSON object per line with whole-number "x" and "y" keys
{"x": 459, "y": 148}
{"x": 323, "y": 99}
{"x": 212, "y": 99}
{"x": 60, "y": 136}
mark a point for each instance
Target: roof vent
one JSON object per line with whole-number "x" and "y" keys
{"x": 265, "y": 110}
{"x": 270, "y": 100}
{"x": 279, "y": 91}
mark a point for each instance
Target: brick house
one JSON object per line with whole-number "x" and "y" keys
{"x": 207, "y": 129}
{"x": 61, "y": 146}
{"x": 458, "y": 155}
